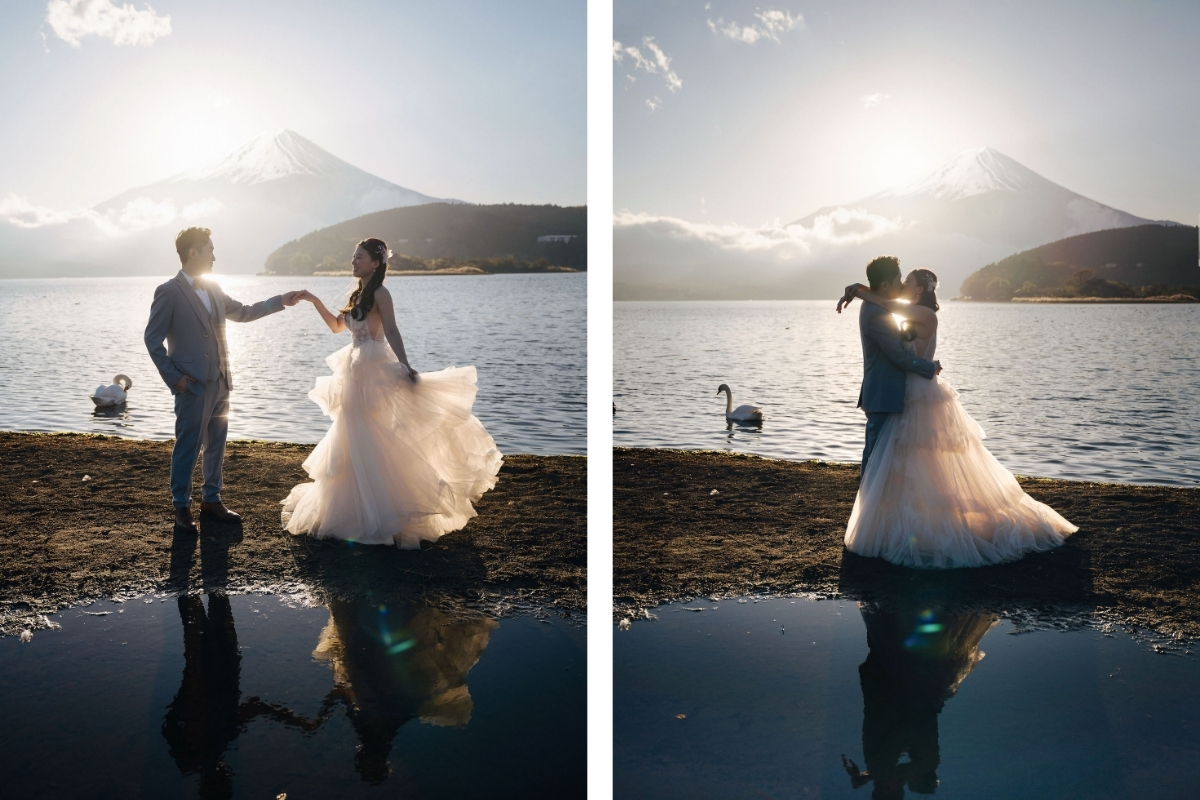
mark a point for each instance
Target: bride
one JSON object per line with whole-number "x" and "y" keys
{"x": 404, "y": 458}
{"x": 931, "y": 494}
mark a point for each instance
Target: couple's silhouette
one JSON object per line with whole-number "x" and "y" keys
{"x": 389, "y": 662}
{"x": 403, "y": 460}
{"x": 930, "y": 494}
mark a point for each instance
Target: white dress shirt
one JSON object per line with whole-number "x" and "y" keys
{"x": 201, "y": 292}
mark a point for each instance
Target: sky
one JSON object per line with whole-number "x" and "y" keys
{"x": 476, "y": 100}
{"x": 745, "y": 113}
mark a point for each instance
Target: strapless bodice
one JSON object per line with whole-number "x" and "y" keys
{"x": 360, "y": 329}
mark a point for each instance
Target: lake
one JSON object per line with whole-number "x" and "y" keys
{"x": 1105, "y": 393}
{"x": 260, "y": 696}
{"x": 764, "y": 697}
{"x": 525, "y": 334}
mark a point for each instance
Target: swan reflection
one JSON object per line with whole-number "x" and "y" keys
{"x": 918, "y": 657}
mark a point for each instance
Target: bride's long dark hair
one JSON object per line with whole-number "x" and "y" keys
{"x": 928, "y": 282}
{"x": 362, "y": 300}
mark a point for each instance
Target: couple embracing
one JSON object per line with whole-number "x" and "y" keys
{"x": 930, "y": 494}
{"x": 404, "y": 458}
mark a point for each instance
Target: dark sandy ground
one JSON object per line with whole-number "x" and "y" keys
{"x": 65, "y": 540}
{"x": 778, "y": 526}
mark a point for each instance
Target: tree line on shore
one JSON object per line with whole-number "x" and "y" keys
{"x": 1142, "y": 261}
{"x": 439, "y": 236}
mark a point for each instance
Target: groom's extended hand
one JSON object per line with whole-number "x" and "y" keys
{"x": 291, "y": 298}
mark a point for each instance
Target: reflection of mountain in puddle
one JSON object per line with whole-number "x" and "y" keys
{"x": 394, "y": 662}
{"x": 918, "y": 657}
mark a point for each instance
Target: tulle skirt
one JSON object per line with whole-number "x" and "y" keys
{"x": 402, "y": 462}
{"x": 932, "y": 496}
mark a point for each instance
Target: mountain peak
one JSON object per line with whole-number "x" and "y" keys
{"x": 970, "y": 172}
{"x": 269, "y": 156}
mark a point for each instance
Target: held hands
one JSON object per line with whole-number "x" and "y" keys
{"x": 291, "y": 298}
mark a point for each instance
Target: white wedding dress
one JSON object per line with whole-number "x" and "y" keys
{"x": 402, "y": 462}
{"x": 932, "y": 496}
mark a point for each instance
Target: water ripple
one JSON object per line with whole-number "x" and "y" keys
{"x": 1107, "y": 393}
{"x": 526, "y": 335}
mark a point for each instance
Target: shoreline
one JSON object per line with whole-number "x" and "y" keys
{"x": 776, "y": 527}
{"x": 345, "y": 273}
{"x": 65, "y": 541}
{"x": 1172, "y": 298}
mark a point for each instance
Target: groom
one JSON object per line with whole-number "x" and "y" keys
{"x": 190, "y": 313}
{"x": 884, "y": 358}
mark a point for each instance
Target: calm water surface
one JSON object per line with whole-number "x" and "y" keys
{"x": 248, "y": 696}
{"x": 761, "y": 699}
{"x": 526, "y": 335}
{"x": 1104, "y": 393}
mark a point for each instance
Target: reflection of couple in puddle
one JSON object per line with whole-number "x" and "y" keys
{"x": 390, "y": 663}
{"x": 919, "y": 654}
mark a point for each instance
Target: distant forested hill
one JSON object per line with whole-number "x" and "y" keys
{"x": 446, "y": 233}
{"x": 1109, "y": 263}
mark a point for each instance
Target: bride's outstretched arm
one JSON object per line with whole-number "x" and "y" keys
{"x": 387, "y": 312}
{"x": 336, "y": 324}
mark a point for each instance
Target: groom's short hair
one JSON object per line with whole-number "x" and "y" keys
{"x": 884, "y": 268}
{"x": 189, "y": 238}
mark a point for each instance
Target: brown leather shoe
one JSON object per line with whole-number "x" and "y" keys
{"x": 184, "y": 521}
{"x": 220, "y": 512}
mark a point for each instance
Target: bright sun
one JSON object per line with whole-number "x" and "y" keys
{"x": 897, "y": 161}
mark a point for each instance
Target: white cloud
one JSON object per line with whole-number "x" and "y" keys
{"x": 657, "y": 63}
{"x": 841, "y": 226}
{"x": 18, "y": 211}
{"x": 654, "y": 103}
{"x": 141, "y": 213}
{"x": 770, "y": 24}
{"x": 201, "y": 209}
{"x": 869, "y": 100}
{"x": 74, "y": 19}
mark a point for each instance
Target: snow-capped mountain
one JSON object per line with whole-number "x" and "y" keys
{"x": 275, "y": 188}
{"x": 976, "y": 207}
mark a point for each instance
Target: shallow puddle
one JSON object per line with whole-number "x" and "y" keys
{"x": 248, "y": 696}
{"x": 747, "y": 699}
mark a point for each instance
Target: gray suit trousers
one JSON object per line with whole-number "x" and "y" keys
{"x": 875, "y": 420}
{"x": 201, "y": 422}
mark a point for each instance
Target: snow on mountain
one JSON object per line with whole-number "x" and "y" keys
{"x": 970, "y": 173}
{"x": 267, "y": 157}
{"x": 976, "y": 207}
{"x": 275, "y": 188}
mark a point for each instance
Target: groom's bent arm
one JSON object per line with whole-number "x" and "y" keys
{"x": 161, "y": 310}
{"x": 239, "y": 312}
{"x": 885, "y": 339}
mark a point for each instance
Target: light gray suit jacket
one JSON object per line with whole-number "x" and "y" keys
{"x": 885, "y": 361}
{"x": 196, "y": 339}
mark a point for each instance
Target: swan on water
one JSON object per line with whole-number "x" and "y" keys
{"x": 741, "y": 413}
{"x": 114, "y": 394}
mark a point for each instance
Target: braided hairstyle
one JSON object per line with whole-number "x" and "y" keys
{"x": 927, "y": 282}
{"x": 362, "y": 300}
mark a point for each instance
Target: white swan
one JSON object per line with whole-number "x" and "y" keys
{"x": 741, "y": 413}
{"x": 114, "y": 394}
